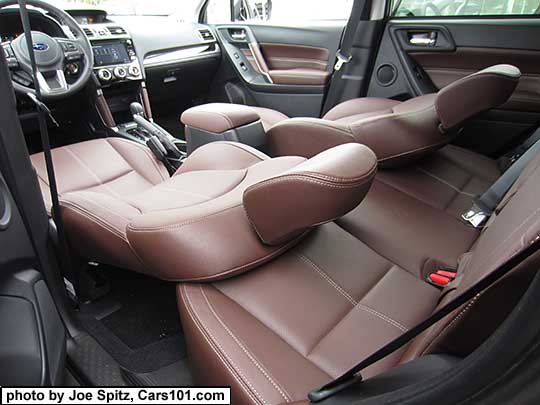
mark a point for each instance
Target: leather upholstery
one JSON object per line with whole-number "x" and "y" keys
{"x": 269, "y": 117}
{"x": 398, "y": 132}
{"x": 314, "y": 192}
{"x": 129, "y": 213}
{"x": 300, "y": 76}
{"x": 277, "y": 332}
{"x": 218, "y": 117}
{"x": 476, "y": 93}
{"x": 290, "y": 64}
{"x": 444, "y": 68}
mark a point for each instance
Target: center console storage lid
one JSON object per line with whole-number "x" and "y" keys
{"x": 219, "y": 117}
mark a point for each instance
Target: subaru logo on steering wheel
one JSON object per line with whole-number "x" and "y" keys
{"x": 40, "y": 47}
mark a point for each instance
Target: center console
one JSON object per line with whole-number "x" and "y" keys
{"x": 121, "y": 99}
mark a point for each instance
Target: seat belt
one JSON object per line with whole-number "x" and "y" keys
{"x": 354, "y": 374}
{"x": 484, "y": 205}
{"x": 360, "y": 11}
{"x": 43, "y": 112}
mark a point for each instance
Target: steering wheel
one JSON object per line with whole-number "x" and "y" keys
{"x": 54, "y": 56}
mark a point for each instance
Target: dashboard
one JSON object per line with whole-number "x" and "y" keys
{"x": 11, "y": 26}
{"x": 169, "y": 56}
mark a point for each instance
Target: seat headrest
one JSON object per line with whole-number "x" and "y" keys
{"x": 476, "y": 93}
{"x": 317, "y": 191}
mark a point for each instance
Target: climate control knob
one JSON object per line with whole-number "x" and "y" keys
{"x": 134, "y": 71}
{"x": 120, "y": 72}
{"x": 104, "y": 75}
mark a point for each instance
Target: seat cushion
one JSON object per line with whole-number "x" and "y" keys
{"x": 447, "y": 180}
{"x": 104, "y": 184}
{"x": 359, "y": 108}
{"x": 412, "y": 216}
{"x": 317, "y": 309}
{"x": 96, "y": 180}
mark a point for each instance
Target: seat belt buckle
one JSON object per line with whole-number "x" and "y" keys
{"x": 341, "y": 60}
{"x": 441, "y": 277}
{"x": 475, "y": 217}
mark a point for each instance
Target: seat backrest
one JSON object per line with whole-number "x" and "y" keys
{"x": 514, "y": 225}
{"x": 476, "y": 93}
{"x": 263, "y": 211}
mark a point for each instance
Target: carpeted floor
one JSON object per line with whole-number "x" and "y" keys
{"x": 138, "y": 324}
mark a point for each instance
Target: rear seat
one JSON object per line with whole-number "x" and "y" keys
{"x": 294, "y": 323}
{"x": 412, "y": 216}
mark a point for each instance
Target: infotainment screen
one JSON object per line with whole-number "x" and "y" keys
{"x": 110, "y": 53}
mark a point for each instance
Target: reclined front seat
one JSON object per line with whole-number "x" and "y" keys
{"x": 398, "y": 132}
{"x": 121, "y": 208}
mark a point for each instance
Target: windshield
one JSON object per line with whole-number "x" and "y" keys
{"x": 133, "y": 7}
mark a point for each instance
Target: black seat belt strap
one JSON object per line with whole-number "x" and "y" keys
{"x": 360, "y": 11}
{"x": 353, "y": 375}
{"x": 484, "y": 205}
{"x": 44, "y": 112}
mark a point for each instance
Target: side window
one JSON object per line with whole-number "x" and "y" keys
{"x": 277, "y": 11}
{"x": 455, "y": 8}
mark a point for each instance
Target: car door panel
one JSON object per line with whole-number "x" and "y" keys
{"x": 283, "y": 68}
{"x": 33, "y": 339}
{"x": 447, "y": 49}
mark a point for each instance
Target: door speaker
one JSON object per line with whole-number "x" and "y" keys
{"x": 386, "y": 74}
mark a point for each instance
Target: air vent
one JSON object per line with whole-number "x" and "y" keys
{"x": 117, "y": 30}
{"x": 206, "y": 35}
{"x": 88, "y": 32}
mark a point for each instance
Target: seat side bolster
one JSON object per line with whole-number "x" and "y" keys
{"x": 317, "y": 191}
{"x": 476, "y": 93}
{"x": 141, "y": 159}
{"x": 306, "y": 137}
{"x": 222, "y": 155}
{"x": 404, "y": 136}
{"x": 206, "y": 352}
{"x": 359, "y": 106}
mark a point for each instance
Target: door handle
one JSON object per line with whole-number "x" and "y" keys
{"x": 239, "y": 35}
{"x": 423, "y": 38}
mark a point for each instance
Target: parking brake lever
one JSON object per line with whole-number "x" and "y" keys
{"x": 165, "y": 138}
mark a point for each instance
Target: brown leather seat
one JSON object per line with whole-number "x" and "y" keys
{"x": 305, "y": 317}
{"x": 398, "y": 132}
{"x": 206, "y": 222}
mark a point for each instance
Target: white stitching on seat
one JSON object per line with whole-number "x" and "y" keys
{"x": 248, "y": 354}
{"x": 383, "y": 317}
{"x": 204, "y": 331}
{"x": 349, "y": 298}
{"x": 328, "y": 279}
{"x": 90, "y": 171}
{"x": 146, "y": 152}
{"x": 456, "y": 189}
{"x": 88, "y": 215}
{"x": 469, "y": 305}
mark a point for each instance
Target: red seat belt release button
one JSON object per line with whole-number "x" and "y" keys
{"x": 438, "y": 279}
{"x": 446, "y": 273}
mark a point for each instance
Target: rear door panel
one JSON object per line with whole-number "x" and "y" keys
{"x": 463, "y": 46}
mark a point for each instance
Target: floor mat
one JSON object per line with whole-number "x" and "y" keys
{"x": 137, "y": 322}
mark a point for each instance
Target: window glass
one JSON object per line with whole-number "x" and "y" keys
{"x": 449, "y": 8}
{"x": 278, "y": 11}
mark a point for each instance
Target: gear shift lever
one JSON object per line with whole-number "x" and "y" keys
{"x": 136, "y": 109}
{"x": 164, "y": 137}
